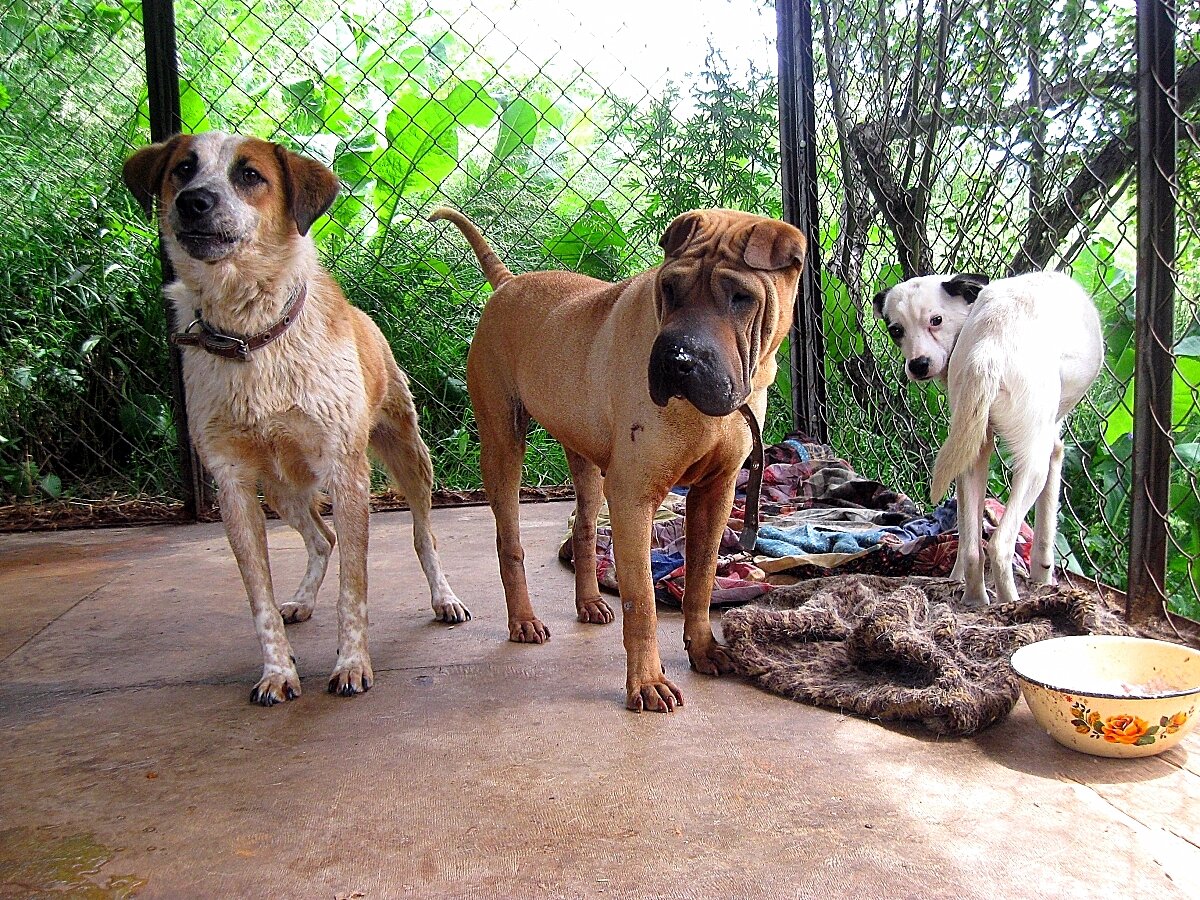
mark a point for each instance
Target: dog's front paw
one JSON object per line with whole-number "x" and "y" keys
{"x": 352, "y": 676}
{"x": 528, "y": 631}
{"x": 653, "y": 694}
{"x": 276, "y": 686}
{"x": 596, "y": 611}
{"x": 711, "y": 659}
{"x": 293, "y": 612}
{"x": 450, "y": 609}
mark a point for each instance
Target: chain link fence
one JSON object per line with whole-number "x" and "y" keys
{"x": 1001, "y": 138}
{"x": 985, "y": 136}
{"x": 571, "y": 137}
{"x": 83, "y": 410}
{"x": 1184, "y": 495}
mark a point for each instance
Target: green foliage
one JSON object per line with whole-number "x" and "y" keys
{"x": 724, "y": 154}
{"x": 1097, "y": 466}
{"x": 83, "y": 406}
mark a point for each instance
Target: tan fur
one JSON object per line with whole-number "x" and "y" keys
{"x": 297, "y": 417}
{"x": 573, "y": 353}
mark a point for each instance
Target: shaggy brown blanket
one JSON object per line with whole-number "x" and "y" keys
{"x": 902, "y": 648}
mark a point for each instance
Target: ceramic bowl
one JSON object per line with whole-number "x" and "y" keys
{"x": 1111, "y": 696}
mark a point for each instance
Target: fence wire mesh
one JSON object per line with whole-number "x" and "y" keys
{"x": 571, "y": 137}
{"x": 83, "y": 411}
{"x": 1183, "y": 514}
{"x": 1001, "y": 138}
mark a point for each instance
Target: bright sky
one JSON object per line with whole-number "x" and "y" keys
{"x": 620, "y": 42}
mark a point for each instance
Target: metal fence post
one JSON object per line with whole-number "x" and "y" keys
{"x": 798, "y": 153}
{"x": 162, "y": 87}
{"x": 1151, "y": 477}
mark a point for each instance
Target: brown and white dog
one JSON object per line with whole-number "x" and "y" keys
{"x": 641, "y": 383}
{"x": 286, "y": 383}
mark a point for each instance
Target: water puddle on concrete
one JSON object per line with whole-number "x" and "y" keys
{"x": 44, "y": 862}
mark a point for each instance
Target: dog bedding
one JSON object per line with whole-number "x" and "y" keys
{"x": 897, "y": 649}
{"x": 883, "y": 639}
{"x": 819, "y": 517}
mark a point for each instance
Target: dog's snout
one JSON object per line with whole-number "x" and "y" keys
{"x": 919, "y": 366}
{"x": 194, "y": 203}
{"x": 691, "y": 367}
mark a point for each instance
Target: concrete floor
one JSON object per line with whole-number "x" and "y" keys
{"x": 132, "y": 762}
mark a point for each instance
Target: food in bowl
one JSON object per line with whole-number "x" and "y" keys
{"x": 1109, "y": 695}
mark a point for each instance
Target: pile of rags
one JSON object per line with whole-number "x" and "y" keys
{"x": 818, "y": 517}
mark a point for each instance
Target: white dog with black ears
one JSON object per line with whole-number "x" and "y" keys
{"x": 1017, "y": 355}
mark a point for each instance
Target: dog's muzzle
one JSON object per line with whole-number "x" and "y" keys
{"x": 198, "y": 226}
{"x": 683, "y": 366}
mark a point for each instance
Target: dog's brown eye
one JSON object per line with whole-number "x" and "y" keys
{"x": 896, "y": 332}
{"x": 185, "y": 169}
{"x": 742, "y": 299}
{"x": 250, "y": 177}
{"x": 935, "y": 321}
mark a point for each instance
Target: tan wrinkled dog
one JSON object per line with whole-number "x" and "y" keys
{"x": 640, "y": 382}
{"x": 286, "y": 383}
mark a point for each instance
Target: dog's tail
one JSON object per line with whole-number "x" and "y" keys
{"x": 968, "y": 428}
{"x": 497, "y": 272}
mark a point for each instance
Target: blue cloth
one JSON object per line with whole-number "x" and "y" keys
{"x": 807, "y": 539}
{"x": 943, "y": 519}
{"x": 663, "y": 564}
{"x": 797, "y": 447}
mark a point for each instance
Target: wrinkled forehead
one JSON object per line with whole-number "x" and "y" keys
{"x": 714, "y": 275}
{"x": 914, "y": 298}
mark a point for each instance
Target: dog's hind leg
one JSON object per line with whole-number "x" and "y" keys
{"x": 502, "y": 423}
{"x": 396, "y": 440}
{"x": 1045, "y": 520}
{"x": 303, "y": 512}
{"x": 1030, "y": 472}
{"x": 589, "y": 493}
{"x": 350, "y": 491}
{"x": 972, "y": 486}
{"x": 246, "y": 528}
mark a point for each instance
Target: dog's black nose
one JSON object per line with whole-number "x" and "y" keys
{"x": 195, "y": 202}
{"x": 680, "y": 362}
{"x": 691, "y": 367}
{"x": 919, "y": 366}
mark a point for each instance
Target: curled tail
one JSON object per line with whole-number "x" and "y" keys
{"x": 497, "y": 272}
{"x": 968, "y": 429}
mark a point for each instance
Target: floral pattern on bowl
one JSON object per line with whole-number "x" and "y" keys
{"x": 1125, "y": 728}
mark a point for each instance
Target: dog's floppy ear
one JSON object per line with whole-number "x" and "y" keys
{"x": 774, "y": 245}
{"x": 965, "y": 286}
{"x": 144, "y": 171}
{"x": 311, "y": 187}
{"x": 877, "y": 303}
{"x": 679, "y": 232}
